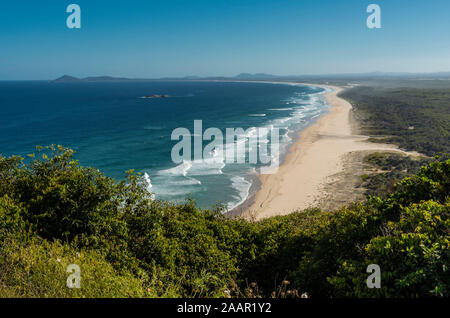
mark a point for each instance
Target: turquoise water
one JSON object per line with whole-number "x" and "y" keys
{"x": 113, "y": 129}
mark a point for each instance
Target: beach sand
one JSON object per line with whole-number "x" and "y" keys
{"x": 319, "y": 156}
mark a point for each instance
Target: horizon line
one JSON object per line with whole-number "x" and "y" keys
{"x": 243, "y": 75}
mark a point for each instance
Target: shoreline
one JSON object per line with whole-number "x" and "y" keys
{"x": 255, "y": 180}
{"x": 313, "y": 160}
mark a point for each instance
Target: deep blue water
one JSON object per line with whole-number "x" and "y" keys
{"x": 111, "y": 128}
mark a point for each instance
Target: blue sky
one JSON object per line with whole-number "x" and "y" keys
{"x": 149, "y": 39}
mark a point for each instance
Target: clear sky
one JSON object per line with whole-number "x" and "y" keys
{"x": 150, "y": 39}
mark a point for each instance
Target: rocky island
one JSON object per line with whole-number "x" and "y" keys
{"x": 156, "y": 96}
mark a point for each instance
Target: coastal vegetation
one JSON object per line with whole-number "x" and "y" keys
{"x": 416, "y": 119}
{"x": 54, "y": 212}
{"x": 387, "y": 169}
{"x": 414, "y": 115}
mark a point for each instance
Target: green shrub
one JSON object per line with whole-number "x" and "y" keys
{"x": 413, "y": 255}
{"x": 37, "y": 268}
{"x": 182, "y": 240}
{"x": 59, "y": 199}
{"x": 53, "y": 212}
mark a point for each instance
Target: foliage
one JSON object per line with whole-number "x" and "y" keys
{"x": 389, "y": 169}
{"x": 37, "y": 268}
{"x": 53, "y": 212}
{"x": 414, "y": 118}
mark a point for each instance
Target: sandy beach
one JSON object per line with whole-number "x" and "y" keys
{"x": 311, "y": 164}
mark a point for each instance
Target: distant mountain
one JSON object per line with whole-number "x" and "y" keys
{"x": 72, "y": 79}
{"x": 67, "y": 78}
{"x": 256, "y": 76}
{"x": 105, "y": 79}
{"x": 242, "y": 76}
{"x": 265, "y": 77}
{"x": 192, "y": 77}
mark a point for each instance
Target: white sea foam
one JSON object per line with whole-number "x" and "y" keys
{"x": 187, "y": 181}
{"x": 148, "y": 181}
{"x": 242, "y": 186}
{"x": 170, "y": 186}
{"x": 200, "y": 167}
{"x": 179, "y": 180}
{"x": 207, "y": 166}
{"x": 214, "y": 153}
{"x": 281, "y": 109}
{"x": 180, "y": 170}
{"x": 250, "y": 132}
{"x": 282, "y": 120}
{"x": 149, "y": 185}
{"x": 173, "y": 192}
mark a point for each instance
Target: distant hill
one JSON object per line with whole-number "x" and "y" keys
{"x": 67, "y": 78}
{"x": 258, "y": 76}
{"x": 264, "y": 76}
{"x": 72, "y": 79}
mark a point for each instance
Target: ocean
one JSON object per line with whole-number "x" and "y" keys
{"x": 112, "y": 128}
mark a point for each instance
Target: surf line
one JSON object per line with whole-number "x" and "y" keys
{"x": 231, "y": 149}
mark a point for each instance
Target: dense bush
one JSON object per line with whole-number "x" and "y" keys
{"x": 414, "y": 118}
{"x": 37, "y": 268}
{"x": 387, "y": 170}
{"x": 412, "y": 253}
{"x": 54, "y": 212}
